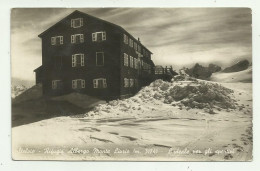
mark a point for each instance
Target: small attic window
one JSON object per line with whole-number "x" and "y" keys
{"x": 77, "y": 22}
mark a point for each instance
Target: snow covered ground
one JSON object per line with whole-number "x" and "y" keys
{"x": 158, "y": 123}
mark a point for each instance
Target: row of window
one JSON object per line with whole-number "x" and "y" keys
{"x": 78, "y": 60}
{"x": 80, "y": 83}
{"x": 134, "y": 45}
{"x": 159, "y": 71}
{"x": 79, "y": 38}
{"x": 135, "y": 63}
{"x": 97, "y": 83}
{"x": 130, "y": 82}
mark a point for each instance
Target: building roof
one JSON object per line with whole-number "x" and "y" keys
{"x": 76, "y": 11}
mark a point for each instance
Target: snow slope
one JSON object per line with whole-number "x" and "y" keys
{"x": 241, "y": 76}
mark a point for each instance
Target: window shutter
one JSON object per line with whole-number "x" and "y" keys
{"x": 61, "y": 39}
{"x": 73, "y": 60}
{"x": 130, "y": 61}
{"x": 74, "y": 82}
{"x": 125, "y": 59}
{"x": 81, "y": 38}
{"x": 82, "y": 59}
{"x": 104, "y": 35}
{"x": 81, "y": 21}
{"x": 125, "y": 39}
{"x": 53, "y": 84}
{"x": 126, "y": 82}
{"x": 94, "y": 37}
{"x": 105, "y": 83}
{"x": 103, "y": 59}
{"x": 72, "y": 38}
{"x": 83, "y": 83}
{"x": 53, "y": 41}
{"x": 71, "y": 22}
{"x": 95, "y": 83}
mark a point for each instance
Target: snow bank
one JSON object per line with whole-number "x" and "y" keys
{"x": 181, "y": 92}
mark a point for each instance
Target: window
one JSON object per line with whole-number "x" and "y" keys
{"x": 56, "y": 84}
{"x": 78, "y": 84}
{"x": 158, "y": 71}
{"x": 126, "y": 82}
{"x": 77, "y": 38}
{"x": 149, "y": 68}
{"x": 125, "y": 39}
{"x": 144, "y": 52}
{"x": 147, "y": 54}
{"x": 125, "y": 59}
{"x": 98, "y": 36}
{"x": 132, "y": 82}
{"x": 57, "y": 40}
{"x": 100, "y": 83}
{"x": 77, "y": 60}
{"x": 78, "y": 22}
{"x": 135, "y": 46}
{"x": 139, "y": 48}
{"x": 131, "y": 43}
{"x": 131, "y": 62}
{"x": 99, "y": 58}
{"x": 146, "y": 67}
{"x": 135, "y": 63}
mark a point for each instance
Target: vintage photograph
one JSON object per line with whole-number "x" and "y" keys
{"x": 131, "y": 84}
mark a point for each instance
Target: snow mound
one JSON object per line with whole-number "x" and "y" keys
{"x": 32, "y": 93}
{"x": 181, "y": 92}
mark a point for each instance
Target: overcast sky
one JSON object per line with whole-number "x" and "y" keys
{"x": 177, "y": 36}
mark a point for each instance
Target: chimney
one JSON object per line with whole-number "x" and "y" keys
{"x": 139, "y": 39}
